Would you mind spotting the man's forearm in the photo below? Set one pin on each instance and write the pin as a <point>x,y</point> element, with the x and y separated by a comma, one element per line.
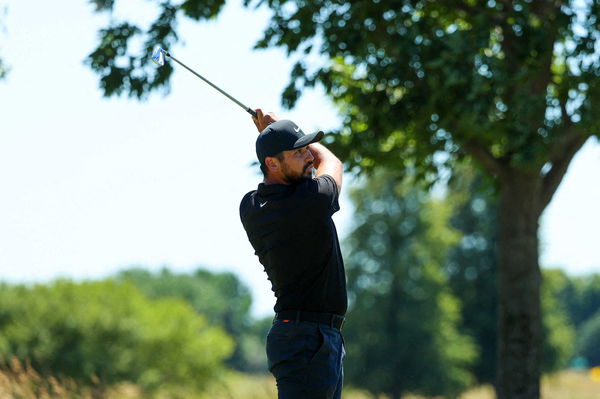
<point>326,163</point>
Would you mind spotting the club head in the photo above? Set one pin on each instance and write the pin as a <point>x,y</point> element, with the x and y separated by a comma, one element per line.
<point>158,57</point>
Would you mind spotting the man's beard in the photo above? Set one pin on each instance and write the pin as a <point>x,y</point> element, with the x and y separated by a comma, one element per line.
<point>294,178</point>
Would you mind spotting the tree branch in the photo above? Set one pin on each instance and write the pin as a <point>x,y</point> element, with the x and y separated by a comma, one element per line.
<point>565,116</point>
<point>544,75</point>
<point>492,164</point>
<point>561,155</point>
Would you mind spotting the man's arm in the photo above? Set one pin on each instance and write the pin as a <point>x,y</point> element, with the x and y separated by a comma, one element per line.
<point>326,163</point>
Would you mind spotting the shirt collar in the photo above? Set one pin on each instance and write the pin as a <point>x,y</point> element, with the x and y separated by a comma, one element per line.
<point>267,190</point>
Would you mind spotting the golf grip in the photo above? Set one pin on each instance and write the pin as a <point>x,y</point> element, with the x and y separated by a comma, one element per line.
<point>247,109</point>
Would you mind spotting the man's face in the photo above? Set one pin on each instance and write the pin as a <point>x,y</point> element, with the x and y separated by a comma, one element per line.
<point>297,165</point>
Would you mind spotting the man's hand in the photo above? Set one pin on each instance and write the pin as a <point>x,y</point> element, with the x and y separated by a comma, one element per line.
<point>263,120</point>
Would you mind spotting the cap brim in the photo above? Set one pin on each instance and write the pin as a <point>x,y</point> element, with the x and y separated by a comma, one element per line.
<point>308,139</point>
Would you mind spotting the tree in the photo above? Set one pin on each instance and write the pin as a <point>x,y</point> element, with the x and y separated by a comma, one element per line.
<point>402,332</point>
<point>557,331</point>
<point>471,267</point>
<point>587,341</point>
<point>220,297</point>
<point>581,296</point>
<point>512,84</point>
<point>112,333</point>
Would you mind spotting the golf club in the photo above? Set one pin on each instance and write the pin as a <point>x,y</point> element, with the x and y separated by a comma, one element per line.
<point>159,59</point>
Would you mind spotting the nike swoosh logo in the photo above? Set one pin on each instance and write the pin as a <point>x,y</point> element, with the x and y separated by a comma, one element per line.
<point>262,203</point>
<point>297,129</point>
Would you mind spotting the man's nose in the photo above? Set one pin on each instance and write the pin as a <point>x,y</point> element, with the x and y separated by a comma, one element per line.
<point>309,156</point>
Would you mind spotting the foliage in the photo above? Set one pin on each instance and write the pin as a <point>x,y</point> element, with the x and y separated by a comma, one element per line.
<point>109,332</point>
<point>472,263</point>
<point>471,268</point>
<point>124,68</point>
<point>525,74</point>
<point>588,338</point>
<point>581,296</point>
<point>254,343</point>
<point>221,297</point>
<point>402,331</point>
<point>558,333</point>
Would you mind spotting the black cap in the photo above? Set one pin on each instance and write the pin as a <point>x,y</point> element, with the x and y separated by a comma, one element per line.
<point>280,136</point>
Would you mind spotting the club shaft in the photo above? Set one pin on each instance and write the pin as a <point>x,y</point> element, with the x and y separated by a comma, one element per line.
<point>247,109</point>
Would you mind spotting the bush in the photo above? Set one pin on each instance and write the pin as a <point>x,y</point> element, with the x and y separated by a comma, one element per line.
<point>109,332</point>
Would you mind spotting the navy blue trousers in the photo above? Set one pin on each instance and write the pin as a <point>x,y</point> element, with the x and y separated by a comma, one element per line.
<point>306,360</point>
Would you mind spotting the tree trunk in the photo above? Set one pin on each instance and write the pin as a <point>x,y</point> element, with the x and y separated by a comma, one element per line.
<point>519,315</point>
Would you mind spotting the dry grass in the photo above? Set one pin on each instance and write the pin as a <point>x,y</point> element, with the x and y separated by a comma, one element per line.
<point>21,381</point>
<point>564,385</point>
<point>570,385</point>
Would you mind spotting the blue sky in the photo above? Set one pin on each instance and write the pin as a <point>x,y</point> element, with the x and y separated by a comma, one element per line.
<point>92,185</point>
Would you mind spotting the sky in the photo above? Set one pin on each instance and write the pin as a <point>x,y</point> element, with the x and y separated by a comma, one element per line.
<point>90,186</point>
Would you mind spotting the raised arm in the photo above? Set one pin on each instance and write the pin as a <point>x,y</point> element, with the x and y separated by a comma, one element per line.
<point>326,163</point>
<point>262,120</point>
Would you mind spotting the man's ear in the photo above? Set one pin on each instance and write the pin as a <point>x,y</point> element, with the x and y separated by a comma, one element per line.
<point>272,163</point>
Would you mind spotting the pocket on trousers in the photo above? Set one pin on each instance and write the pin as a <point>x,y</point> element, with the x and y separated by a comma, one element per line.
<point>321,367</point>
<point>292,347</point>
<point>318,347</point>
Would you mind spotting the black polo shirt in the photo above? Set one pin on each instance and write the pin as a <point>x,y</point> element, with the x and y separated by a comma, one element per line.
<point>295,239</point>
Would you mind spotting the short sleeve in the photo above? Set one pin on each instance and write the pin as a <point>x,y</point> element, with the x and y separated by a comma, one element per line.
<point>328,193</point>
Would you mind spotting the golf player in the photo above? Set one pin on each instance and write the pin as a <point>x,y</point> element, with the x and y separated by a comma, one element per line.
<point>288,222</point>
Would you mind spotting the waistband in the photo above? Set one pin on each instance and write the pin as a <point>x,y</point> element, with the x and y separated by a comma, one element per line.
<point>330,319</point>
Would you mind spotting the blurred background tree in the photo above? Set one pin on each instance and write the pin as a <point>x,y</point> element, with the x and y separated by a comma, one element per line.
<point>220,297</point>
<point>472,263</point>
<point>458,230</point>
<point>558,334</point>
<point>471,267</point>
<point>512,84</point>
<point>587,341</point>
<point>101,333</point>
<point>580,296</point>
<point>403,321</point>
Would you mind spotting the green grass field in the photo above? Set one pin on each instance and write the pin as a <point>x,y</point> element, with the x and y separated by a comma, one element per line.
<point>21,382</point>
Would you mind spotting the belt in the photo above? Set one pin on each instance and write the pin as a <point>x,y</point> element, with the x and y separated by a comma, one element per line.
<point>331,319</point>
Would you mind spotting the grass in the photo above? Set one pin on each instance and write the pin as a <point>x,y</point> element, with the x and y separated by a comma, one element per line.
<point>570,385</point>
<point>567,384</point>
<point>21,381</point>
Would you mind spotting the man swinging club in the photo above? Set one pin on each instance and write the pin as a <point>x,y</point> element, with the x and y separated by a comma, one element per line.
<point>288,222</point>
